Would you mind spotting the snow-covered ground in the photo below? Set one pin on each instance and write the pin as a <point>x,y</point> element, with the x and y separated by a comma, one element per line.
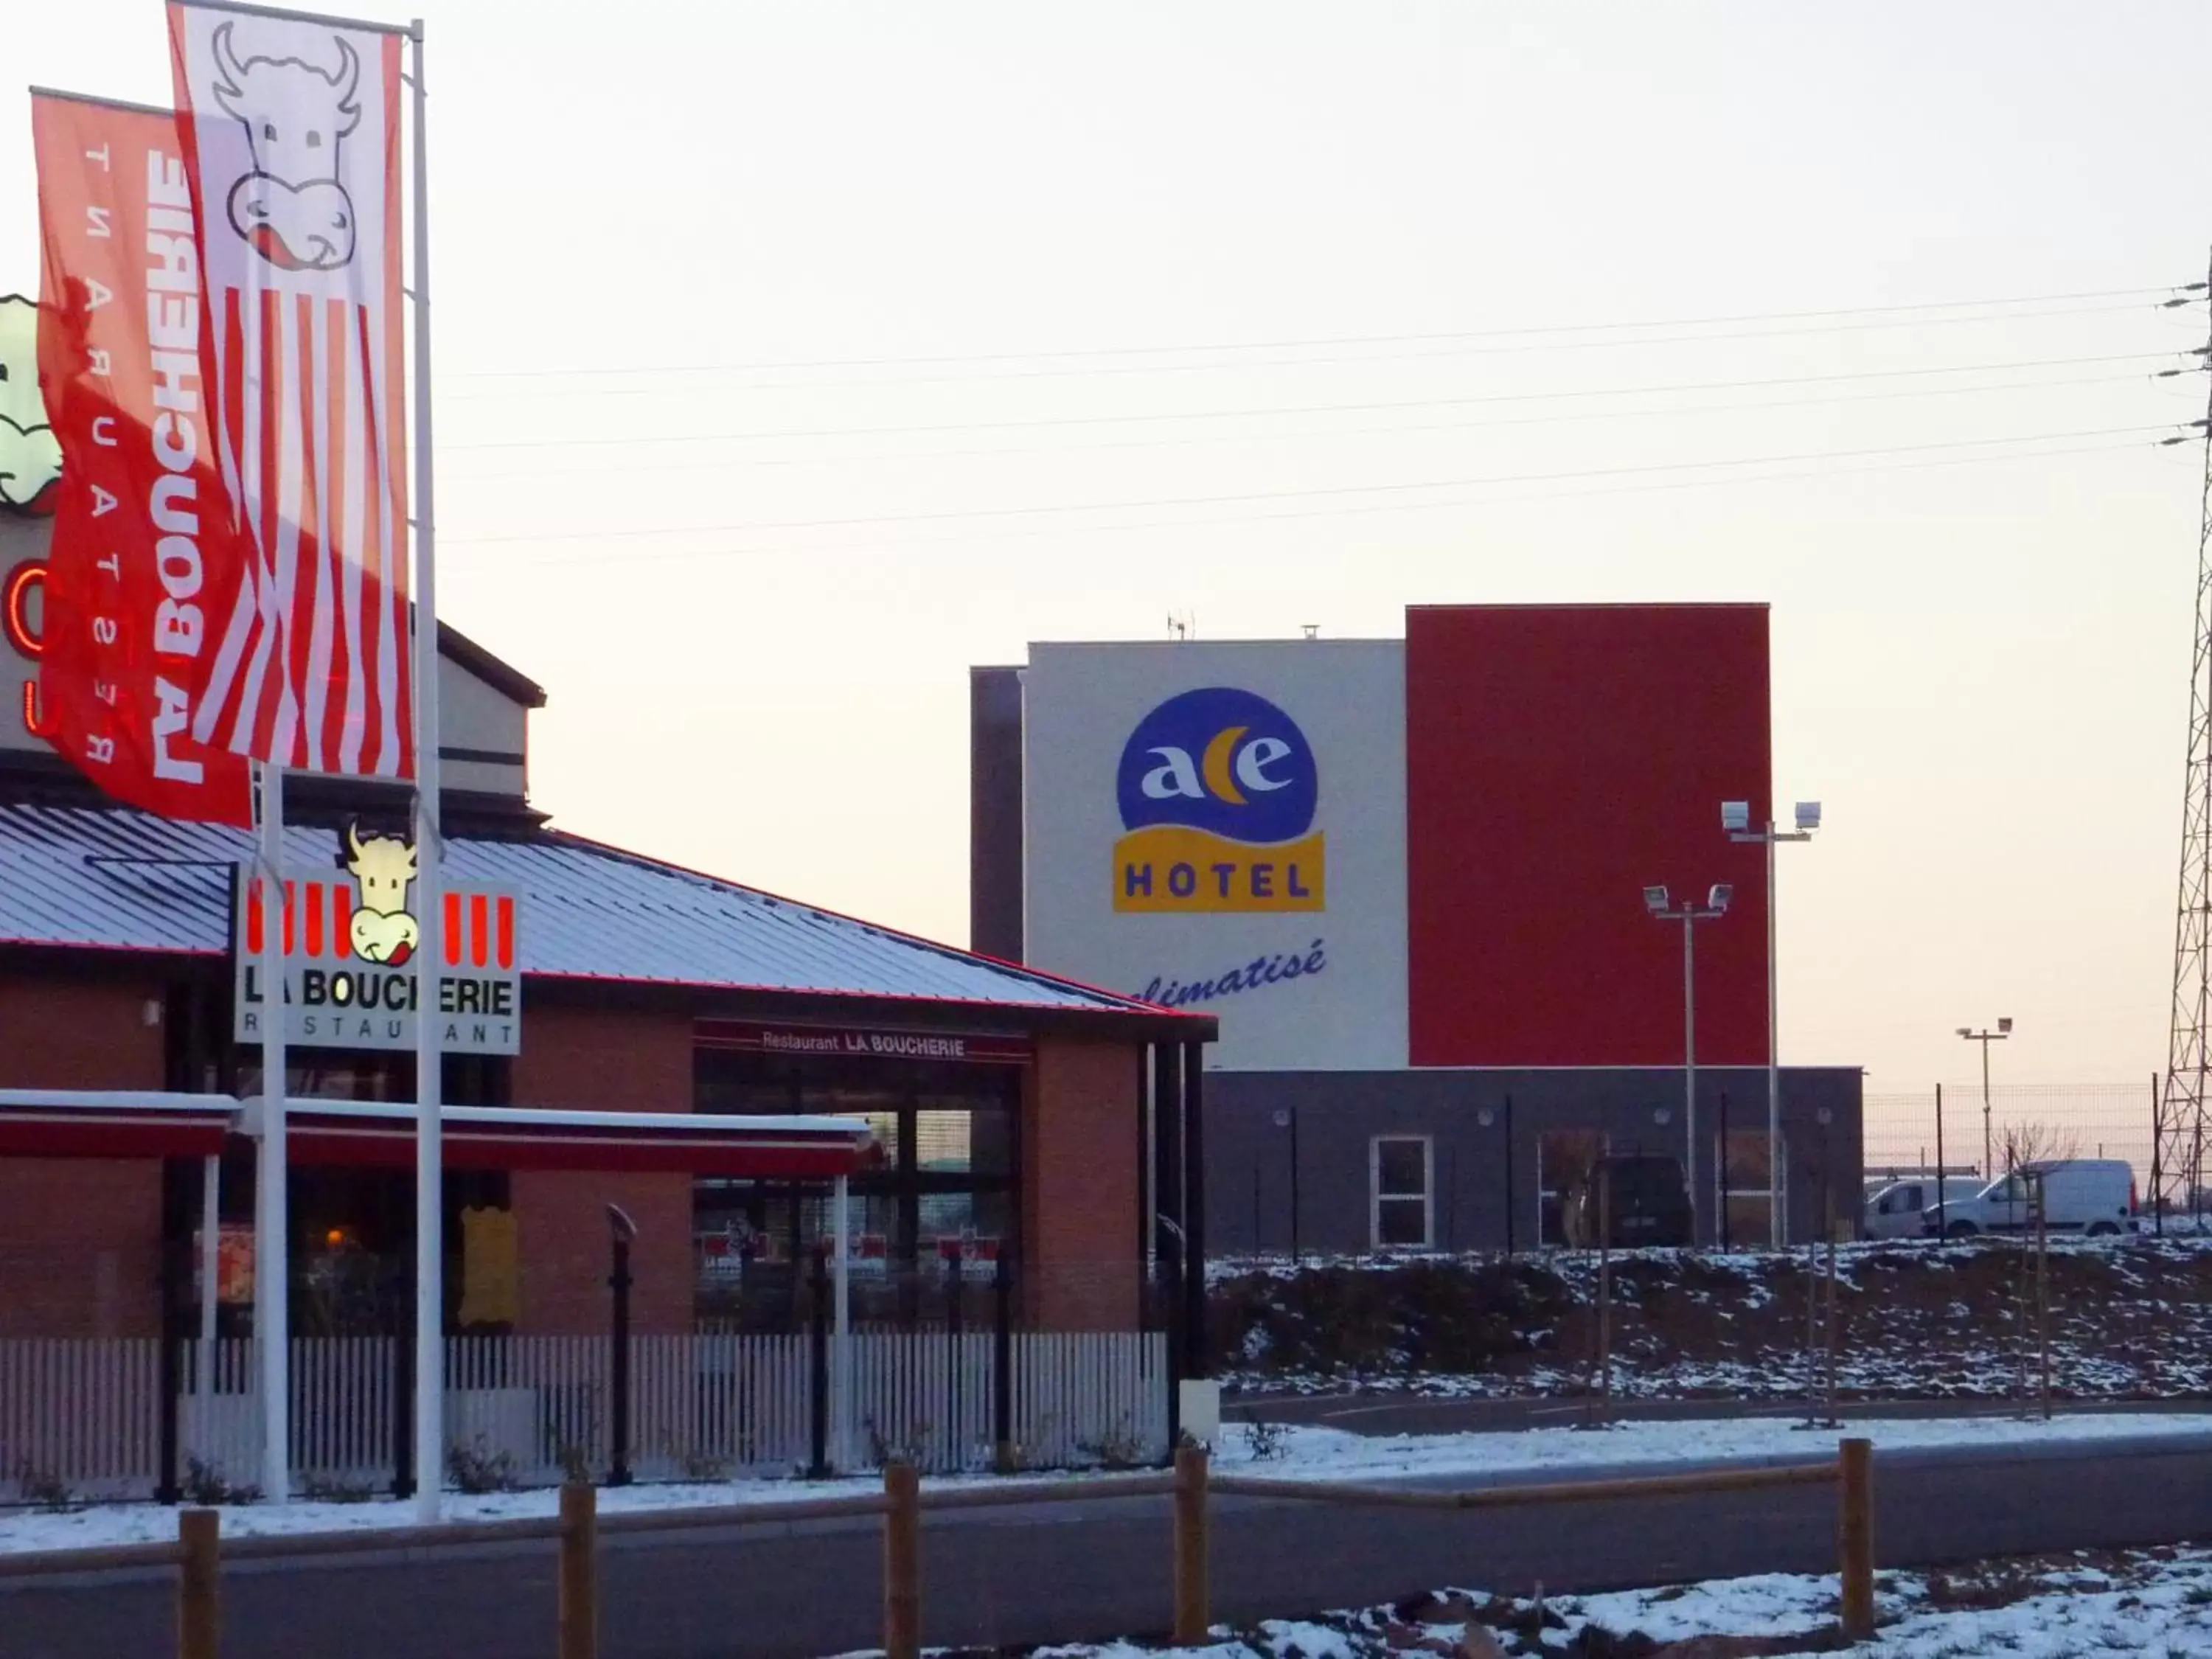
<point>1321,1454</point>
<point>2130,1318</point>
<point>1282,1453</point>
<point>2142,1604</point>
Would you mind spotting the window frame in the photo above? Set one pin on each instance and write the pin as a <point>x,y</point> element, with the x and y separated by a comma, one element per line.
<point>1426,1198</point>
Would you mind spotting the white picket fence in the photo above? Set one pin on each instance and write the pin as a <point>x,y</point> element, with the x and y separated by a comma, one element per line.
<point>82,1417</point>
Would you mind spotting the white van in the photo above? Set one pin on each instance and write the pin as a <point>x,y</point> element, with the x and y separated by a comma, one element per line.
<point>2091,1195</point>
<point>1895,1209</point>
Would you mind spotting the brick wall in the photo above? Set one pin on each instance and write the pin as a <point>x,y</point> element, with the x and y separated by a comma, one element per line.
<point>1079,1171</point>
<point>80,1238</point>
<point>594,1060</point>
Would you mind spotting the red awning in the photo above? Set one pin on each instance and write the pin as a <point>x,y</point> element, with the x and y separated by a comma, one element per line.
<point>382,1133</point>
<point>112,1123</point>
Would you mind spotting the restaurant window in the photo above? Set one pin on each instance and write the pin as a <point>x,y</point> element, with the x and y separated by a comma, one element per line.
<point>1401,1170</point>
<point>939,1187</point>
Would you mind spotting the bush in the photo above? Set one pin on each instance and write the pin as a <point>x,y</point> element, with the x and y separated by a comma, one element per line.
<point>204,1486</point>
<point>330,1489</point>
<point>43,1488</point>
<point>478,1467</point>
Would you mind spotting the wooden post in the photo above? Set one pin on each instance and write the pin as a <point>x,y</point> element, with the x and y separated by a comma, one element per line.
<point>1191,1571</point>
<point>1856,1530</point>
<point>1812,1335</point>
<point>579,1573</point>
<point>902,1562</point>
<point>2043,1289</point>
<point>1833,1334</point>
<point>199,1621</point>
<point>1602,1398</point>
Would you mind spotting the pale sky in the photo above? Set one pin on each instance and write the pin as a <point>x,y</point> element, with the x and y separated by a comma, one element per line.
<point>1119,237</point>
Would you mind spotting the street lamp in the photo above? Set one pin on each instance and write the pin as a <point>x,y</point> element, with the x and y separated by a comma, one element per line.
<point>1656,904</point>
<point>1986,1037</point>
<point>1735,820</point>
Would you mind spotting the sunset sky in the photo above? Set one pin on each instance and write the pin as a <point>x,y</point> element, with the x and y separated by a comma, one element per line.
<point>791,359</point>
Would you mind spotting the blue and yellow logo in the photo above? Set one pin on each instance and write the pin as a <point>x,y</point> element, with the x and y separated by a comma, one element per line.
<point>1218,789</point>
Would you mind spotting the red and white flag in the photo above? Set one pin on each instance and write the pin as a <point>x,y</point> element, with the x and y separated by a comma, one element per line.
<point>143,529</point>
<point>290,128</point>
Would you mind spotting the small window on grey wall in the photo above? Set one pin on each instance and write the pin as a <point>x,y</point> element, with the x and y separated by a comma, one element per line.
<point>1399,1182</point>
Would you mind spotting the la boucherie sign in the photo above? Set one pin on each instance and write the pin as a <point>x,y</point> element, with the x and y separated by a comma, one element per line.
<point>350,945</point>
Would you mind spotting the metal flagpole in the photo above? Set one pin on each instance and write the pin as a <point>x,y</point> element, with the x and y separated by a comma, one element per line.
<point>272,1273</point>
<point>429,1048</point>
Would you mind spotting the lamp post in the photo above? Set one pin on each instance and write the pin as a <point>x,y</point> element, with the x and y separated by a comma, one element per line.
<point>1735,820</point>
<point>1655,904</point>
<point>1985,1037</point>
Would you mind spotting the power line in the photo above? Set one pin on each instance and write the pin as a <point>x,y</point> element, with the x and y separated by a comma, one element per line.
<point>1186,440</point>
<point>1005,377</point>
<point>1357,509</point>
<point>1242,497</point>
<point>1264,412</point>
<point>1316,342</point>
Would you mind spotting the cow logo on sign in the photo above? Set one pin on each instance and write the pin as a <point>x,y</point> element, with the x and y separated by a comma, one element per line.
<point>290,208</point>
<point>30,454</point>
<point>383,930</point>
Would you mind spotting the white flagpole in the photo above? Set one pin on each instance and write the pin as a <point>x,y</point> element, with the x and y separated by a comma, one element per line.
<point>429,1048</point>
<point>272,1252</point>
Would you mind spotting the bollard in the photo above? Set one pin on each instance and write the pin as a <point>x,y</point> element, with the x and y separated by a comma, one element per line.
<point>1856,1527</point>
<point>1191,1567</point>
<point>579,1573</point>
<point>902,1562</point>
<point>200,1623</point>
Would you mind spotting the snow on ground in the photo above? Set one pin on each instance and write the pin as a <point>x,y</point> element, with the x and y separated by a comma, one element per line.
<point>1275,1452</point>
<point>2140,1604</point>
<point>1300,1452</point>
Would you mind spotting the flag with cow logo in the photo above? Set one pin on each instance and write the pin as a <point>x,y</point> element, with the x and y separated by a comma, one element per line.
<point>291,129</point>
<point>143,529</point>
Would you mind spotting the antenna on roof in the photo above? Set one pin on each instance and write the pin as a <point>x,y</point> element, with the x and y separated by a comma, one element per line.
<point>1181,627</point>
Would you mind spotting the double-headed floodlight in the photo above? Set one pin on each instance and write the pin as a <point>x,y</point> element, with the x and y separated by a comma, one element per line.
<point>1735,820</point>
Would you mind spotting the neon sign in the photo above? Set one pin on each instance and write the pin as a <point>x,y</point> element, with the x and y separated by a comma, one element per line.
<point>28,638</point>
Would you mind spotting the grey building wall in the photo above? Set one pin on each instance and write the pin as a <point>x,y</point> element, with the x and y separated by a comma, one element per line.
<point>1483,1172</point>
<point>994,812</point>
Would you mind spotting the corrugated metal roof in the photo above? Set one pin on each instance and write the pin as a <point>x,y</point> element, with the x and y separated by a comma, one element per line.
<point>117,879</point>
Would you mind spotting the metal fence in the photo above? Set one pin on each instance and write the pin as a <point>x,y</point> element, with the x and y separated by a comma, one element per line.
<point>83,1419</point>
<point>2023,1123</point>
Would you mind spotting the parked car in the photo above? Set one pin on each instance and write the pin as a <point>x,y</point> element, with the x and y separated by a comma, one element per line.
<point>1650,1202</point>
<point>2091,1195</point>
<point>1895,1209</point>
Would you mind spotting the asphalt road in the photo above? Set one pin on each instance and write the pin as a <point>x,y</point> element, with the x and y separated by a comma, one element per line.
<point>1063,1572</point>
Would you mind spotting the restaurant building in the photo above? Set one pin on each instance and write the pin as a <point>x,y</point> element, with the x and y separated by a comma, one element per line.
<point>1008,1107</point>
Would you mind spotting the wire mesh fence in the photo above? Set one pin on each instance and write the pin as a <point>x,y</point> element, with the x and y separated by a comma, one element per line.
<point>1971,1134</point>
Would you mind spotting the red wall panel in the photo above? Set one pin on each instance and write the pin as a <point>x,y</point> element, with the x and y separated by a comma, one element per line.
<point>1557,760</point>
